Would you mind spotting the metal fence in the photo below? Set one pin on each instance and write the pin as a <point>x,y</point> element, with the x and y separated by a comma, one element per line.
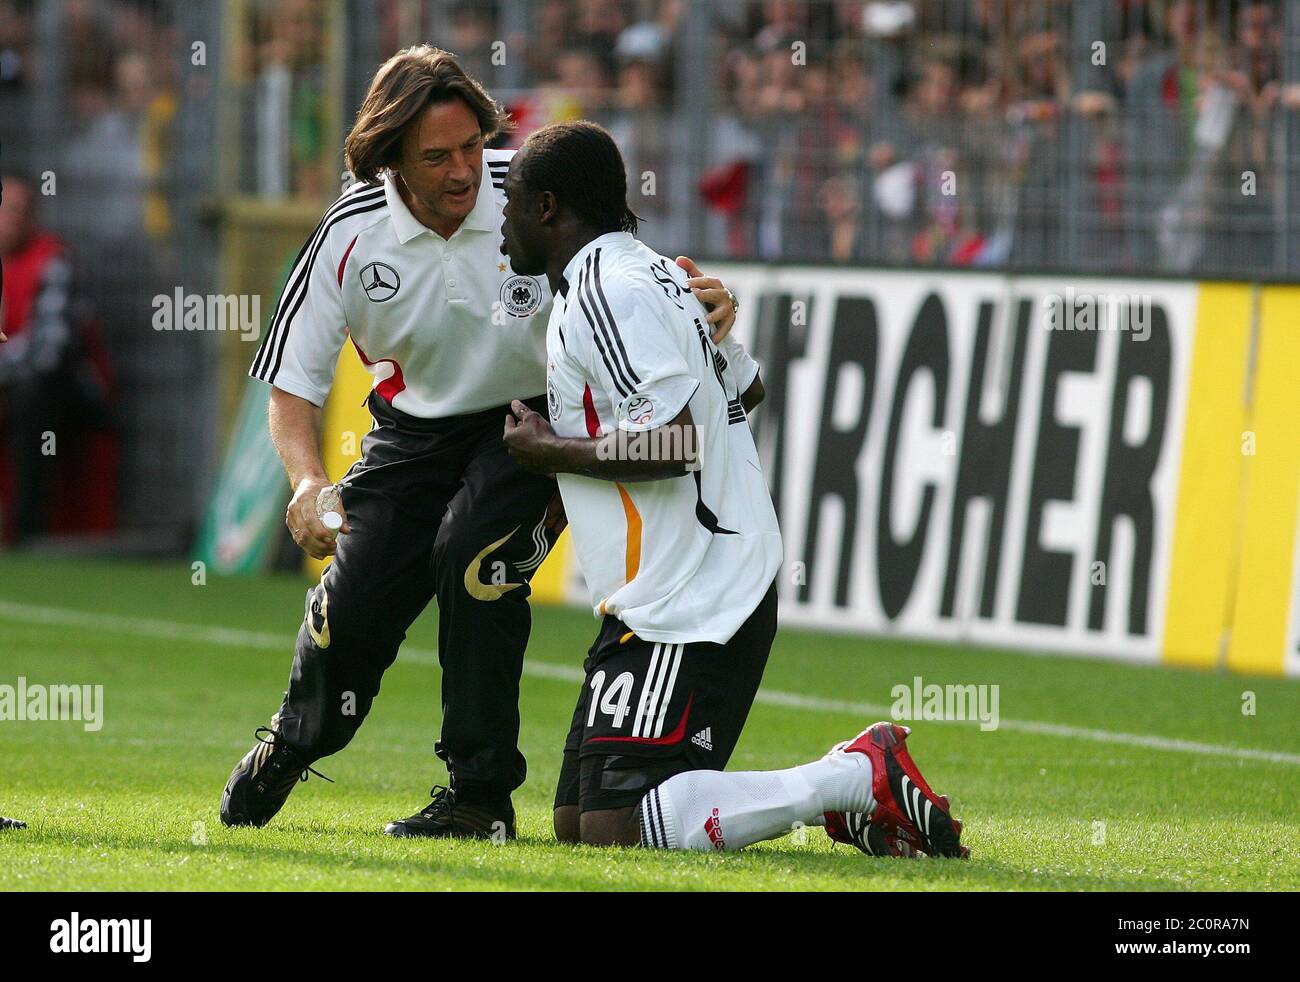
<point>1101,136</point>
<point>105,110</point>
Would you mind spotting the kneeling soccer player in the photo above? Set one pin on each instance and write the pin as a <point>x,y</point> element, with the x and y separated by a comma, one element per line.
<point>678,541</point>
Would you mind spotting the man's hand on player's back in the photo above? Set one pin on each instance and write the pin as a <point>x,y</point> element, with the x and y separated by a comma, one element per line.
<point>709,290</point>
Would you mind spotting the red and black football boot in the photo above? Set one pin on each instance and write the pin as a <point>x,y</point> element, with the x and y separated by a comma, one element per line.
<point>906,808</point>
<point>855,829</point>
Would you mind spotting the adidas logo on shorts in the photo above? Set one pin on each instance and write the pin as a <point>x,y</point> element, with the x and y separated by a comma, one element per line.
<point>704,738</point>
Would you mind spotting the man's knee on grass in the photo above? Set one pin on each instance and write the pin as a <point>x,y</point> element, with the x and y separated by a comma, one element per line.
<point>568,829</point>
<point>611,827</point>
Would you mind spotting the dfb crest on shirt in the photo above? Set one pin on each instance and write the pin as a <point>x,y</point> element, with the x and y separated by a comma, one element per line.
<point>380,281</point>
<point>553,403</point>
<point>521,295</point>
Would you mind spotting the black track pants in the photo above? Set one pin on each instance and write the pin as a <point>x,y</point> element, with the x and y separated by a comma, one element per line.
<point>437,509</point>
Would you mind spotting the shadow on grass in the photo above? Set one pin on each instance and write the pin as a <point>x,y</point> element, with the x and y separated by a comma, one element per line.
<point>535,863</point>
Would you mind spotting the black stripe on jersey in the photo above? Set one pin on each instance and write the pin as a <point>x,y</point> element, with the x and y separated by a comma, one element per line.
<point>711,355</point>
<point>667,283</point>
<point>735,411</point>
<point>296,292</point>
<point>298,273</point>
<point>352,197</point>
<point>588,303</point>
<point>704,514</point>
<point>302,294</point>
<point>613,325</point>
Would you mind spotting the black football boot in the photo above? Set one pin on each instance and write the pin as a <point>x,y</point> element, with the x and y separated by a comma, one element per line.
<point>448,817</point>
<point>260,783</point>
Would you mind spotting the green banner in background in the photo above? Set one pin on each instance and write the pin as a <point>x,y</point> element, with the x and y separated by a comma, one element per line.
<point>247,506</point>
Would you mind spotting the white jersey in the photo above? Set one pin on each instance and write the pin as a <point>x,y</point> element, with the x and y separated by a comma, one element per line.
<point>677,560</point>
<point>444,326</point>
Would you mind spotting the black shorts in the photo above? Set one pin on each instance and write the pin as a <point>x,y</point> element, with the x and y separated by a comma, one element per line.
<point>649,710</point>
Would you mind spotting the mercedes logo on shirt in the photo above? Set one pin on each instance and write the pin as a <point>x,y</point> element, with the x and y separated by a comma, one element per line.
<point>380,281</point>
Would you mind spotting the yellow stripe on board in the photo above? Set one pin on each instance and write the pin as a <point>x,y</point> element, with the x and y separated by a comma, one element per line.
<point>1268,543</point>
<point>1206,521</point>
<point>344,422</point>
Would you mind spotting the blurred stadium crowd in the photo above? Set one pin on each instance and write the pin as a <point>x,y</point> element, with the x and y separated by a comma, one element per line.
<point>1110,136</point>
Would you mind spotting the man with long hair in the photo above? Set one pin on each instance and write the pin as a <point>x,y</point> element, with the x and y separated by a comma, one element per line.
<point>408,264</point>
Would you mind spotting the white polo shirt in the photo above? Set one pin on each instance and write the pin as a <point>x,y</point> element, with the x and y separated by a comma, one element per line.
<point>444,326</point>
<point>677,560</point>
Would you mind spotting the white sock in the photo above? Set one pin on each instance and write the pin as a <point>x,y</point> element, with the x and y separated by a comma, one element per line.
<point>707,810</point>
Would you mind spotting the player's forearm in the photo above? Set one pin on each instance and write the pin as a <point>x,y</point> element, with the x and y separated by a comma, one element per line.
<point>753,395</point>
<point>296,432</point>
<point>623,456</point>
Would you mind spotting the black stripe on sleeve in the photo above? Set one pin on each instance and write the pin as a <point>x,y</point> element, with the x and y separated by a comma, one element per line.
<point>298,275</point>
<point>588,303</point>
<point>613,325</point>
<point>352,197</point>
<point>293,298</point>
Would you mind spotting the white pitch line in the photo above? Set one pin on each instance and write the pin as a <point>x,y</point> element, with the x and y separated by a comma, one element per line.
<point>240,638</point>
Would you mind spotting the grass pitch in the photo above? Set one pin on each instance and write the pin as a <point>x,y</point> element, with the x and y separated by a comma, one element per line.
<point>1088,783</point>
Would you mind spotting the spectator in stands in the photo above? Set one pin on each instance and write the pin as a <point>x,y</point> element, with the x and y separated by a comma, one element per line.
<point>1040,91</point>
<point>919,172</point>
<point>1249,174</point>
<point>473,29</point>
<point>58,446</point>
<point>841,224</point>
<point>597,25</point>
<point>550,34</point>
<point>1160,111</point>
<point>649,136</point>
<point>581,88</point>
<point>36,328</point>
<point>15,74</point>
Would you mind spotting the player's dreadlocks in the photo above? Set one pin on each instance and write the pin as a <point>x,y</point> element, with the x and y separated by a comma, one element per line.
<point>580,164</point>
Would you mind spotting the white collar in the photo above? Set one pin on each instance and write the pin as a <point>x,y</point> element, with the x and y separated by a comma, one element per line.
<point>580,257</point>
<point>480,219</point>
